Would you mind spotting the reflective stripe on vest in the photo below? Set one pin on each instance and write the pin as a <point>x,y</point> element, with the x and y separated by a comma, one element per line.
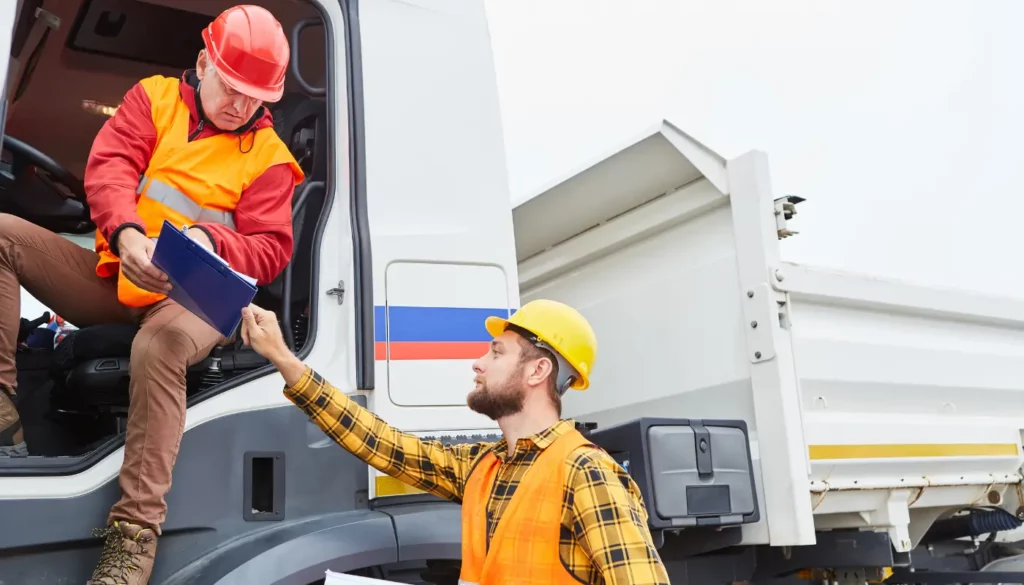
<point>167,195</point>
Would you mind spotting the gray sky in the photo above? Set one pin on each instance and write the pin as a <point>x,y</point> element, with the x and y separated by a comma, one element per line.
<point>899,121</point>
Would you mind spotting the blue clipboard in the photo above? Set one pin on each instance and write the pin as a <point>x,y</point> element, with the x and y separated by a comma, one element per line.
<point>201,281</point>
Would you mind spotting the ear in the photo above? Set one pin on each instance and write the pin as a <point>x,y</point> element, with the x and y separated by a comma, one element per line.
<point>538,373</point>
<point>201,62</point>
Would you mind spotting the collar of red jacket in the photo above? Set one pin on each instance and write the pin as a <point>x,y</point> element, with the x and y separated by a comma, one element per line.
<point>187,89</point>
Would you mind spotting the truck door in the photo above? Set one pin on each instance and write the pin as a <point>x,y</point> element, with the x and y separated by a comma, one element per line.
<point>440,219</point>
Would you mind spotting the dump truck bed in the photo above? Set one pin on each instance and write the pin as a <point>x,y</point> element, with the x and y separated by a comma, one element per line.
<point>868,403</point>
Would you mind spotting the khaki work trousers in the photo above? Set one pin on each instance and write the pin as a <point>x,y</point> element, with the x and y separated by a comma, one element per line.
<point>62,275</point>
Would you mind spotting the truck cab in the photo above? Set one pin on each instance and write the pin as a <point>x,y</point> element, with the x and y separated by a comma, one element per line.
<point>403,243</point>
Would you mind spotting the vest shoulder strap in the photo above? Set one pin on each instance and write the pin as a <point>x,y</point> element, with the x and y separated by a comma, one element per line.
<point>163,93</point>
<point>573,440</point>
<point>271,150</point>
<point>484,455</point>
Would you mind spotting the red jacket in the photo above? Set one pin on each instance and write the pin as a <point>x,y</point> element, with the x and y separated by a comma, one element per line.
<point>262,244</point>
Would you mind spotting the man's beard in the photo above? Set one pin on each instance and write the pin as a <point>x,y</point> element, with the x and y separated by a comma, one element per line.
<point>498,403</point>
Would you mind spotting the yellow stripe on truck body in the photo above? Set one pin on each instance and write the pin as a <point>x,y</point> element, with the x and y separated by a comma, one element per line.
<point>908,450</point>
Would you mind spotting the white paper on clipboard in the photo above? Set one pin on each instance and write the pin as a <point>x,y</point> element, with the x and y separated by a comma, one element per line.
<point>341,579</point>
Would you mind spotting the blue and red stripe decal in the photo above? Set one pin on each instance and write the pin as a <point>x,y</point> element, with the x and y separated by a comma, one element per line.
<point>431,333</point>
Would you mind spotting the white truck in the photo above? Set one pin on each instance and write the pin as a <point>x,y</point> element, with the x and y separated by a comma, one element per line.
<point>845,417</point>
<point>785,422</point>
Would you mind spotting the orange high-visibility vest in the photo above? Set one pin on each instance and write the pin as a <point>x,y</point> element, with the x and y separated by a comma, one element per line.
<point>190,182</point>
<point>524,548</point>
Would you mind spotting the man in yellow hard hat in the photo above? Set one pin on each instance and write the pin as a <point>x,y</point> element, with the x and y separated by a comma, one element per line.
<point>542,505</point>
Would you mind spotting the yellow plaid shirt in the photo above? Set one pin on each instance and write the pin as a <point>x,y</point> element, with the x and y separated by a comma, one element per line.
<point>604,537</point>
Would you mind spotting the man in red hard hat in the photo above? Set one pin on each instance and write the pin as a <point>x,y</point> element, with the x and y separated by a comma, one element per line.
<point>199,151</point>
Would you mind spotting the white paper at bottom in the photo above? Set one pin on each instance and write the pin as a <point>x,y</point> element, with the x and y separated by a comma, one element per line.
<point>340,579</point>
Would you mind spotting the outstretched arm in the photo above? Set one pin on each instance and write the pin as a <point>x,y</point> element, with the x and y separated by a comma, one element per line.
<point>427,465</point>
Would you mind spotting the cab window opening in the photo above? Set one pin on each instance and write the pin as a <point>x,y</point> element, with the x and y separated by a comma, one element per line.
<point>73,381</point>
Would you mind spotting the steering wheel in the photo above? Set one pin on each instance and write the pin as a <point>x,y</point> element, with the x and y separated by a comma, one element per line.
<point>49,171</point>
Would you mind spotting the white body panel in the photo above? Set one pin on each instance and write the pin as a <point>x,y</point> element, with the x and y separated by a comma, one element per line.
<point>438,201</point>
<point>440,223</point>
<point>870,403</point>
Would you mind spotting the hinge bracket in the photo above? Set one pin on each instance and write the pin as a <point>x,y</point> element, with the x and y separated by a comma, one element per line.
<point>785,209</point>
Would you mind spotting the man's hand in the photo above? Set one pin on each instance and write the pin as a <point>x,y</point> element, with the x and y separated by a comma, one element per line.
<point>136,252</point>
<point>261,332</point>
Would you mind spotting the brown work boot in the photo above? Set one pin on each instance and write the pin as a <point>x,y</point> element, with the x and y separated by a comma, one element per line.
<point>12,437</point>
<point>127,557</point>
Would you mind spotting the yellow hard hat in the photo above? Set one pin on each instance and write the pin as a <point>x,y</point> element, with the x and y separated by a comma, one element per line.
<point>560,328</point>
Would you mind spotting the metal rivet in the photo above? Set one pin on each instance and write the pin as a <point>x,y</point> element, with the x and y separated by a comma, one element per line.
<point>757,354</point>
<point>750,294</point>
<point>753,324</point>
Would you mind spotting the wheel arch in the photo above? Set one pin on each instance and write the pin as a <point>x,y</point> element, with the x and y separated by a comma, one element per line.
<point>426,529</point>
<point>298,554</point>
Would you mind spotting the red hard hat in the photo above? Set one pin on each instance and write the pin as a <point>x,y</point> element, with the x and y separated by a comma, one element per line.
<point>247,47</point>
